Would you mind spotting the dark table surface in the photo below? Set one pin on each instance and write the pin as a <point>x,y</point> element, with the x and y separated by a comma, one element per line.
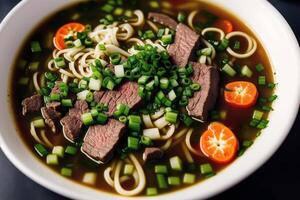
<point>279,178</point>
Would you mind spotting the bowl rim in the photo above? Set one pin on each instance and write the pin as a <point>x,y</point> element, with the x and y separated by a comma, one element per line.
<point>42,181</point>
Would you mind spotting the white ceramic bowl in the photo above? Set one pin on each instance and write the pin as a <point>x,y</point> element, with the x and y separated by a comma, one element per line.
<point>265,21</point>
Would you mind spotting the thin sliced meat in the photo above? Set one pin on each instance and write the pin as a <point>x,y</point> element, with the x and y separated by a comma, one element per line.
<point>72,122</point>
<point>127,94</point>
<point>163,19</point>
<point>205,99</point>
<point>186,41</point>
<point>51,117</point>
<point>32,104</point>
<point>100,141</point>
<point>152,153</point>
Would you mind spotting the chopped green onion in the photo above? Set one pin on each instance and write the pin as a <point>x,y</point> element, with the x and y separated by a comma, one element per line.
<point>33,66</point>
<point>164,83</point>
<point>118,11</point>
<point>267,108</point>
<point>187,120</point>
<point>247,143</point>
<point>77,43</point>
<point>257,115</point>
<point>261,80</point>
<point>246,71</point>
<point>35,47</point>
<point>181,17</point>
<point>271,85</point>
<point>149,34</point>
<point>94,84</point>
<point>173,180</point>
<point>119,71</point>
<point>262,124</point>
<point>24,81</point>
<point>39,123</point>
<point>115,58</point>
<point>59,62</point>
<point>89,178</point>
<point>167,39</point>
<point>206,169</point>
<point>223,45</point>
<point>94,112</point>
<point>123,119</point>
<point>133,143</point>
<point>189,178</point>
<point>146,141</point>
<point>87,119</point>
<point>152,133</point>
<point>206,51</point>
<point>161,181</point>
<point>171,117</point>
<point>102,47</point>
<point>71,150</point>
<point>154,4</point>
<point>67,103</point>
<point>237,45</point>
<point>259,68</point>
<point>174,83</point>
<point>151,191</point>
<point>272,98</point>
<point>110,85</point>
<point>66,171</point>
<point>161,169</point>
<point>41,150</point>
<point>195,87</point>
<point>172,95</point>
<point>102,118</point>
<point>176,163</point>
<point>229,70</point>
<point>128,169</point>
<point>128,13</point>
<point>107,8</point>
<point>143,80</point>
<point>52,159</point>
<point>59,151</point>
<point>160,32</point>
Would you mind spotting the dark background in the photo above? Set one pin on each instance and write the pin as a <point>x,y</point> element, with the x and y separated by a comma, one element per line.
<point>279,178</point>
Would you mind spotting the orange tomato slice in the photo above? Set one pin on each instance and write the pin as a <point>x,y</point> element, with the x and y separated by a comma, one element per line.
<point>224,24</point>
<point>219,143</point>
<point>59,40</point>
<point>241,94</point>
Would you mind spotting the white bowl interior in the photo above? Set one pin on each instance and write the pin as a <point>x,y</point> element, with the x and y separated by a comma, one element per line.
<point>264,20</point>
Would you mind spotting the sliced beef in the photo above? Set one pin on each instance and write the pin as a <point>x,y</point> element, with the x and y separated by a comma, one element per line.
<point>163,19</point>
<point>51,117</point>
<point>72,122</point>
<point>127,94</point>
<point>32,104</point>
<point>152,153</point>
<point>98,95</point>
<point>100,141</point>
<point>186,41</point>
<point>205,99</point>
<point>54,105</point>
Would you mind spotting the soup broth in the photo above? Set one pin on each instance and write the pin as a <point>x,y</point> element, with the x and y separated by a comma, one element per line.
<point>238,119</point>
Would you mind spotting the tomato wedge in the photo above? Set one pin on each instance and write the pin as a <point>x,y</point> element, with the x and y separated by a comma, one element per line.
<point>59,40</point>
<point>241,94</point>
<point>224,24</point>
<point>219,143</point>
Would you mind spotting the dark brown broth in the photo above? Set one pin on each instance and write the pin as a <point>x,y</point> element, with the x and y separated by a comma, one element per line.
<point>236,119</point>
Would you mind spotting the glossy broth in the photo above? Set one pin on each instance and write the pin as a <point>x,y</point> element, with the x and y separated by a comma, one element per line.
<point>88,13</point>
